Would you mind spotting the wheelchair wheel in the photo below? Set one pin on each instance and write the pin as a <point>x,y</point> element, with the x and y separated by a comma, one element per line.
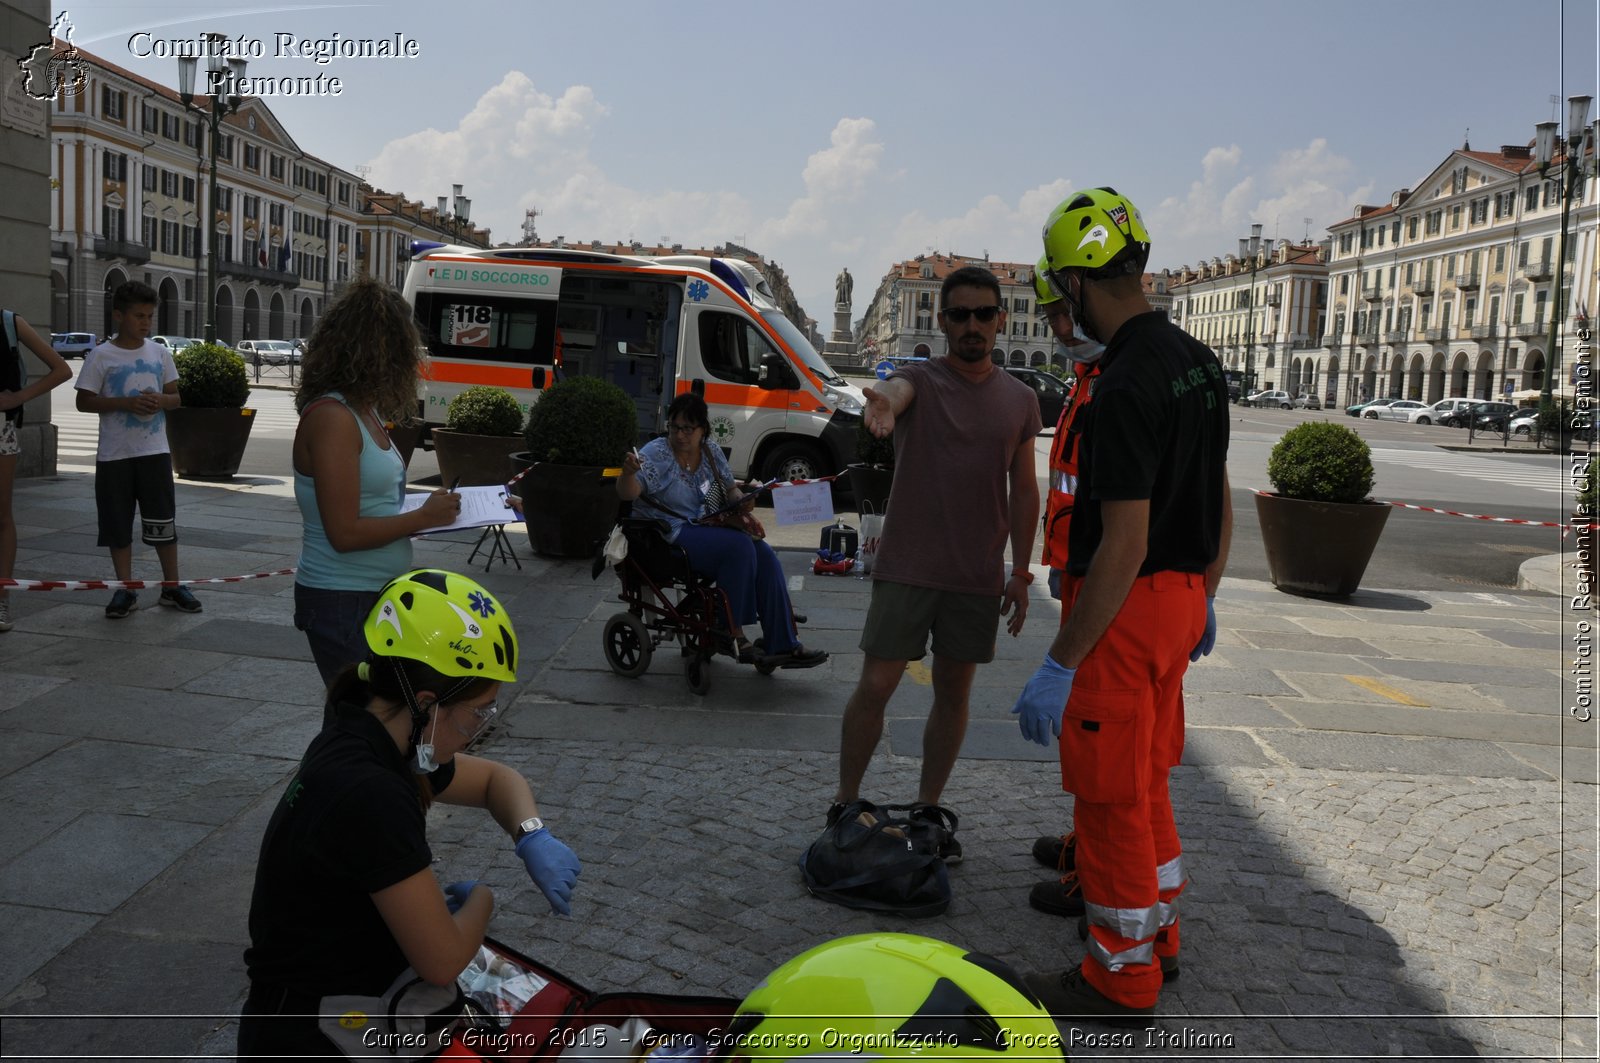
<point>627,645</point>
<point>764,668</point>
<point>697,672</point>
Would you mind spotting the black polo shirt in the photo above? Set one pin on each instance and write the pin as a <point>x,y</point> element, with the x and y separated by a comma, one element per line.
<point>349,824</point>
<point>1157,429</point>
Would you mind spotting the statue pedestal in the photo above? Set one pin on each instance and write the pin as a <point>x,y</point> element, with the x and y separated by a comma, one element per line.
<point>841,342</point>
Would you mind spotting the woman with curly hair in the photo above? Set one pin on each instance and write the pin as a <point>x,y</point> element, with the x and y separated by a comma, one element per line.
<point>360,370</point>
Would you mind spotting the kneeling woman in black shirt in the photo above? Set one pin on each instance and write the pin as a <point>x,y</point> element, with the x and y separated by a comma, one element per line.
<point>345,895</point>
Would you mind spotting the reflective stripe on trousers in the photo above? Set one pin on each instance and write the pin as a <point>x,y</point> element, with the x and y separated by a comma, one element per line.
<point>1126,719</point>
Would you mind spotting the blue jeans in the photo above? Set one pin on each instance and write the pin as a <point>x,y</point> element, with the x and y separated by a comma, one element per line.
<point>332,621</point>
<point>750,575</point>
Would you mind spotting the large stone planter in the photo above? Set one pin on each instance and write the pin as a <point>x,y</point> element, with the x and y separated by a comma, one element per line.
<point>1319,548</point>
<point>569,509</point>
<point>870,485</point>
<point>208,444</point>
<point>477,461</point>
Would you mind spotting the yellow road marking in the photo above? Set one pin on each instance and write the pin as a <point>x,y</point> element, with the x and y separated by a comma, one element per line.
<point>1386,691</point>
<point>919,673</point>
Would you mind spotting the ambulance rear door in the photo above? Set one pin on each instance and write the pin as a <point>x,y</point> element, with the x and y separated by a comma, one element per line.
<point>483,322</point>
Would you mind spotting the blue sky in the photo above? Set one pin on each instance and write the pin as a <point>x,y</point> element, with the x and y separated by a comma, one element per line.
<point>826,134</point>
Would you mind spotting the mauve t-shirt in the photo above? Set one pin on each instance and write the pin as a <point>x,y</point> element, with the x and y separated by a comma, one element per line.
<point>949,518</point>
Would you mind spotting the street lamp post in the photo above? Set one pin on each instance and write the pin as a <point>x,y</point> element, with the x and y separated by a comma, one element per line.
<point>455,211</point>
<point>217,70</point>
<point>1251,247</point>
<point>1574,147</point>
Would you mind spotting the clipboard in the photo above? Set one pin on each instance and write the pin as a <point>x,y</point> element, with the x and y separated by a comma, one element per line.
<point>750,495</point>
<point>481,507</point>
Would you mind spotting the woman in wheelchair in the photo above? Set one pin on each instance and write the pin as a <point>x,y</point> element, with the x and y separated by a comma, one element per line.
<point>678,478</point>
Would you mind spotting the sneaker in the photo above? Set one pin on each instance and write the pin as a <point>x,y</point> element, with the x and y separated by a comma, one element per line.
<point>1069,995</point>
<point>180,598</point>
<point>1169,964</point>
<point>1064,896</point>
<point>934,827</point>
<point>5,614</point>
<point>122,603</point>
<point>1059,852</point>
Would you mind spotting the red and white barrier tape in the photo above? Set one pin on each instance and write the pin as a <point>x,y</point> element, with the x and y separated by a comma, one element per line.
<point>128,584</point>
<point>1479,516</point>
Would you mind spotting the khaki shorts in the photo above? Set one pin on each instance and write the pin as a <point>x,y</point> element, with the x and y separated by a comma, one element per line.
<point>901,616</point>
<point>9,444</point>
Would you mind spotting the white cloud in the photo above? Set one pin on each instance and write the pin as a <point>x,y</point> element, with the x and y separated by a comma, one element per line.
<point>1229,196</point>
<point>1009,232</point>
<point>833,177</point>
<point>545,162</point>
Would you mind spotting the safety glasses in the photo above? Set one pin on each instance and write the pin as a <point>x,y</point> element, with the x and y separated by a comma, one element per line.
<point>482,716</point>
<point>957,315</point>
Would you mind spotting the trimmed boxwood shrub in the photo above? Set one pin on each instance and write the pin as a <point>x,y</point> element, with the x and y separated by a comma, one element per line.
<point>1321,462</point>
<point>210,376</point>
<point>582,420</point>
<point>482,410</point>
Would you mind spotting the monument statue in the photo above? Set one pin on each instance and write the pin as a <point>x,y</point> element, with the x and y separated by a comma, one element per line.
<point>843,285</point>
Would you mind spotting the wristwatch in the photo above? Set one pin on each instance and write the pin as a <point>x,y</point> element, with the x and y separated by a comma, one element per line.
<point>526,827</point>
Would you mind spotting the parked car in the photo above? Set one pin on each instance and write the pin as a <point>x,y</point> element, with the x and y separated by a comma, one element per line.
<point>1463,417</point>
<point>175,343</point>
<point>1523,422</point>
<point>267,352</point>
<point>1279,399</point>
<point>73,344</point>
<point>1492,416</point>
<point>1400,410</point>
<point>1050,390</point>
<point>1445,407</point>
<point>1362,407</point>
<point>1307,402</point>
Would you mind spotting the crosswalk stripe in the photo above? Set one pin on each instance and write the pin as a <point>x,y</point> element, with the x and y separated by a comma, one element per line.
<point>1478,468</point>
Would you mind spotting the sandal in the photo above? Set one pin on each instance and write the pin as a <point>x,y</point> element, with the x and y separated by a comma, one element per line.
<point>799,657</point>
<point>746,652</point>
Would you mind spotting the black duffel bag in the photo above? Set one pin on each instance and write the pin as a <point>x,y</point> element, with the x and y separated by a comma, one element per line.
<point>870,858</point>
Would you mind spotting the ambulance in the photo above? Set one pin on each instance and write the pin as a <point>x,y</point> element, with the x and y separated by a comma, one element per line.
<point>521,318</point>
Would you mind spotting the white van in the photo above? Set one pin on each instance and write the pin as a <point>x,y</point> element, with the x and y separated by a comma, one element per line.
<point>519,317</point>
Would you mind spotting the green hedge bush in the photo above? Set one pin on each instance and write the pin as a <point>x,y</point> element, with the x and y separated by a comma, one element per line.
<point>582,420</point>
<point>1321,462</point>
<point>210,376</point>
<point>482,410</point>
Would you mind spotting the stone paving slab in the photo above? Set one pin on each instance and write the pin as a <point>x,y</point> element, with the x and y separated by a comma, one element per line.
<point>1367,879</point>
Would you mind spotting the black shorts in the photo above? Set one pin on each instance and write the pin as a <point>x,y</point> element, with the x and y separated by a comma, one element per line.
<point>145,481</point>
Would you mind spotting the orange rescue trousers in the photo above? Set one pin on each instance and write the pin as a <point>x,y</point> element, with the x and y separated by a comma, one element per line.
<point>1121,734</point>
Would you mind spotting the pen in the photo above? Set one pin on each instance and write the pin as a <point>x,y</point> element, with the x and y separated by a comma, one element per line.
<point>456,484</point>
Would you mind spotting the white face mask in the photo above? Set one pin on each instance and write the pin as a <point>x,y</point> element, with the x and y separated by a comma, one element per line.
<point>426,765</point>
<point>1084,351</point>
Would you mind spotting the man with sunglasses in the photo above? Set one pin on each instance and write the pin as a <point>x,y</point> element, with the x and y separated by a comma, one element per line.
<point>1146,549</point>
<point>964,487</point>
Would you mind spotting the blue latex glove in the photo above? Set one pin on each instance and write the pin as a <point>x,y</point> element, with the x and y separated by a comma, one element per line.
<point>552,866</point>
<point>456,894</point>
<point>1043,700</point>
<point>1209,639</point>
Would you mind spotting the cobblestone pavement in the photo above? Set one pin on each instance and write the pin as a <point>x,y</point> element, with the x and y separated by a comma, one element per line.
<point>1389,814</point>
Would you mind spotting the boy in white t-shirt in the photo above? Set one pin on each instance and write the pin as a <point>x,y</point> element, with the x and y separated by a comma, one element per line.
<point>130,382</point>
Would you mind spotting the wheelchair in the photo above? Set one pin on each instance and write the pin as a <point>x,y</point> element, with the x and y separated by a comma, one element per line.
<point>667,601</point>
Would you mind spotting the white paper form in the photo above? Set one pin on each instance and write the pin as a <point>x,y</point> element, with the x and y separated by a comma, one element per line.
<point>480,508</point>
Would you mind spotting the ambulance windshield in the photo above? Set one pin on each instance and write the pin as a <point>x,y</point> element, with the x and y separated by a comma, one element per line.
<point>797,342</point>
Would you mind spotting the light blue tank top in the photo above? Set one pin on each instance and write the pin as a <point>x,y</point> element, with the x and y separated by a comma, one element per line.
<point>383,484</point>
